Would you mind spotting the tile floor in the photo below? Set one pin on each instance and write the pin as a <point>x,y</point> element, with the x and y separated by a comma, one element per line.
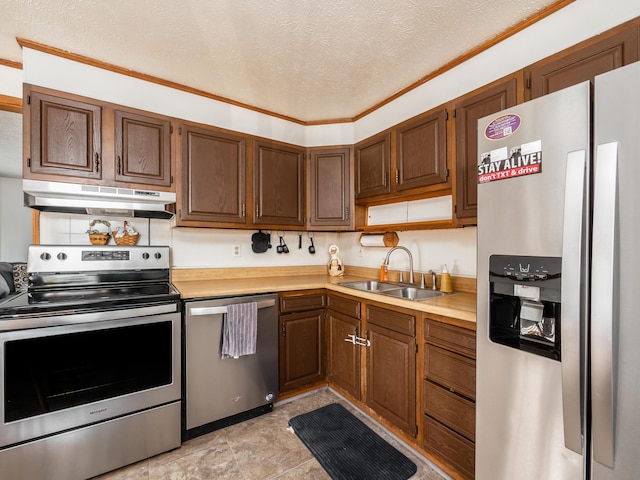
<point>257,449</point>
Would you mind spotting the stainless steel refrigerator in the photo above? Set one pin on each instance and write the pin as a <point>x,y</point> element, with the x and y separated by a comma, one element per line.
<point>558,313</point>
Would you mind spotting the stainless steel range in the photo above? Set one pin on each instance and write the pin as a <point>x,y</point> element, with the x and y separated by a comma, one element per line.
<point>90,373</point>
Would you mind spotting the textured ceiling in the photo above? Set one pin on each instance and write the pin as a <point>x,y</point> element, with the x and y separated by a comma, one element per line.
<point>312,60</point>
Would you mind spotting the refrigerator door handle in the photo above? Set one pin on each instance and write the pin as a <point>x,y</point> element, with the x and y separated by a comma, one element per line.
<point>573,273</point>
<point>602,301</point>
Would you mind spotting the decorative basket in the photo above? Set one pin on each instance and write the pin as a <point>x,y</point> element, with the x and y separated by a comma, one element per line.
<point>96,237</point>
<point>127,238</point>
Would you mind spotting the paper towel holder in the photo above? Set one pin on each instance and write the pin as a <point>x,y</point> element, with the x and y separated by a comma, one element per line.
<point>386,239</point>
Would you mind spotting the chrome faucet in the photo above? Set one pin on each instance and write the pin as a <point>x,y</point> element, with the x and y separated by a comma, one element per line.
<point>386,260</point>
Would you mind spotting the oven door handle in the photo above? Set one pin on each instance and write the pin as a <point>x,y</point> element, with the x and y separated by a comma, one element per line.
<point>196,311</point>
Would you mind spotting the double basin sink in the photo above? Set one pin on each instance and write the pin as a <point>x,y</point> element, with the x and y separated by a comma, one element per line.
<point>398,290</point>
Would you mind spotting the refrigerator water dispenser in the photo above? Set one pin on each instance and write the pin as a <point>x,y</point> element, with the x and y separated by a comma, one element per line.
<point>524,307</point>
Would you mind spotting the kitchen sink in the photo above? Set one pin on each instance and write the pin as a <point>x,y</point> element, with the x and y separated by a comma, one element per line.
<point>369,285</point>
<point>397,290</point>
<point>413,293</point>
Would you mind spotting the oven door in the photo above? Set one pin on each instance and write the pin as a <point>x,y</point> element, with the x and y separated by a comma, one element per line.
<point>61,377</point>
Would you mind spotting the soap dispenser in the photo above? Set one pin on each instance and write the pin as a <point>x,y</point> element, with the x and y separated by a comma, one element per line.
<point>445,281</point>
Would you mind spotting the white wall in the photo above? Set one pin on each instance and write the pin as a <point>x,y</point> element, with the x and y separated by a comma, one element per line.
<point>15,221</point>
<point>196,247</point>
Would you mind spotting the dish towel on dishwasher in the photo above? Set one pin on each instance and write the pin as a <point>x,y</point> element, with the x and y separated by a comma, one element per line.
<point>240,330</point>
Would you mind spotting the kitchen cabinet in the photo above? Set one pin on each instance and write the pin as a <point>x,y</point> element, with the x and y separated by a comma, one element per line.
<point>209,155</point>
<point>278,184</point>
<point>372,166</point>
<point>408,159</point>
<point>421,152</point>
<point>344,365</point>
<point>583,62</point>
<point>301,346</point>
<point>468,110</point>
<point>65,136</point>
<point>79,140</point>
<point>391,366</point>
<point>449,394</point>
<point>143,148</point>
<point>330,189</point>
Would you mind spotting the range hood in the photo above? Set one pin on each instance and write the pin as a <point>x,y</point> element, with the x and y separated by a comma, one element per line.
<point>97,200</point>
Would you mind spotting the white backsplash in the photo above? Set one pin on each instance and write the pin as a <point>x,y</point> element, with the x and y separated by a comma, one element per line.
<point>214,248</point>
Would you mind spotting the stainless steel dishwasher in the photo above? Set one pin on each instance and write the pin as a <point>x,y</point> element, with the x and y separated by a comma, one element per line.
<point>219,392</point>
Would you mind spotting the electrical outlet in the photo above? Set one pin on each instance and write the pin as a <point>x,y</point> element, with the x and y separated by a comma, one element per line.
<point>360,253</point>
<point>236,251</point>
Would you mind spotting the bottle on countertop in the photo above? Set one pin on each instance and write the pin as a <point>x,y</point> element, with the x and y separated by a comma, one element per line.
<point>384,272</point>
<point>445,281</point>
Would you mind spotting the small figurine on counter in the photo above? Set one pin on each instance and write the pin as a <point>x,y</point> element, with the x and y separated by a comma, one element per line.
<point>335,264</point>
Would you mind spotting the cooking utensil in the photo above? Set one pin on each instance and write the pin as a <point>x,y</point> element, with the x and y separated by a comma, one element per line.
<point>259,242</point>
<point>312,248</point>
<point>282,248</point>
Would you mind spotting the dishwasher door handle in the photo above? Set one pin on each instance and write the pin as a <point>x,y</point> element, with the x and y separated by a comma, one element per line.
<point>196,311</point>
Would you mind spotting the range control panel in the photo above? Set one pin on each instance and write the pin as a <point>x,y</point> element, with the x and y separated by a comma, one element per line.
<point>87,258</point>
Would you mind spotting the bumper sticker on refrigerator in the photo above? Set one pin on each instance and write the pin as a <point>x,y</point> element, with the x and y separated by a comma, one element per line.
<point>525,159</point>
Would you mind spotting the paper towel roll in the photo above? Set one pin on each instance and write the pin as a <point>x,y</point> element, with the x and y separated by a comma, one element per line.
<point>372,240</point>
<point>388,239</point>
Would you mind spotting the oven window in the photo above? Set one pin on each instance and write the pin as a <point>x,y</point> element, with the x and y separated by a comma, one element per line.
<point>45,374</point>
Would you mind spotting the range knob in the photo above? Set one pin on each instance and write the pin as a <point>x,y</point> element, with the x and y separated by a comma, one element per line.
<point>45,256</point>
<point>62,256</point>
<point>157,255</point>
<point>145,255</point>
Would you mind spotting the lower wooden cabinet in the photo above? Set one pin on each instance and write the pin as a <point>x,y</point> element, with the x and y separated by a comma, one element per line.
<point>301,344</point>
<point>449,394</point>
<point>449,445</point>
<point>344,357</point>
<point>391,366</point>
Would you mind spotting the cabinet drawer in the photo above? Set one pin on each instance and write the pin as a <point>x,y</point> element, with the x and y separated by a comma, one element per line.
<point>450,446</point>
<point>343,305</point>
<point>452,371</point>
<point>454,411</point>
<point>449,336</point>
<point>301,303</point>
<point>396,321</point>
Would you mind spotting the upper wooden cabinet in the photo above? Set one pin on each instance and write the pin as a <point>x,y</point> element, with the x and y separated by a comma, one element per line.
<point>65,137</point>
<point>468,110</point>
<point>583,62</point>
<point>330,189</point>
<point>372,166</point>
<point>409,159</point>
<point>421,152</point>
<point>79,140</point>
<point>212,176</point>
<point>278,175</point>
<point>143,148</point>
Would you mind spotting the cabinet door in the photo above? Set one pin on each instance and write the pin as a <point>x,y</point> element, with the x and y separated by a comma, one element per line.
<point>468,111</point>
<point>213,176</point>
<point>391,377</point>
<point>301,346</point>
<point>330,191</point>
<point>421,158</point>
<point>582,62</point>
<point>143,149</point>
<point>344,357</point>
<point>65,137</point>
<point>372,165</point>
<point>278,184</point>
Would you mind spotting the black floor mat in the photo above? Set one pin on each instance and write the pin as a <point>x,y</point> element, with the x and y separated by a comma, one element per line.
<point>347,449</point>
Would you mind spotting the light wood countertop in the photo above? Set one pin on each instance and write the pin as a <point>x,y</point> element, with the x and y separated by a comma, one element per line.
<point>460,306</point>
